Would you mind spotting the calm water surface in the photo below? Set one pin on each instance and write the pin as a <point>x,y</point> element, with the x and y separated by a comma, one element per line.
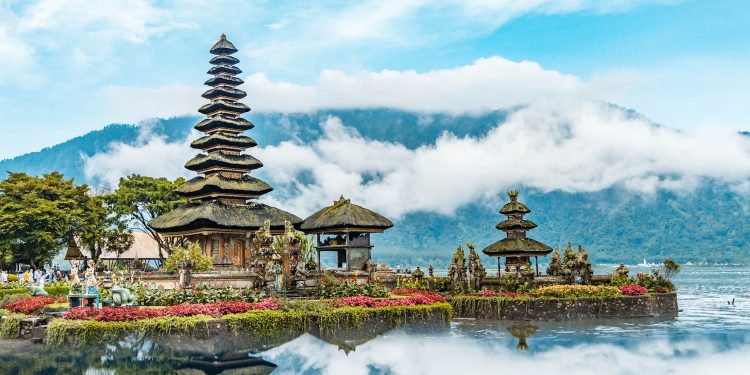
<point>710,336</point>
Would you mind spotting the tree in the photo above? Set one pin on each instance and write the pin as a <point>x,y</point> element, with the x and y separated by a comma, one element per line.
<point>103,230</point>
<point>139,199</point>
<point>193,253</point>
<point>669,268</point>
<point>38,216</point>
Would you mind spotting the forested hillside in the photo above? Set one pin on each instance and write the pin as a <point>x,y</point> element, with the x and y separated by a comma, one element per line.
<point>707,225</point>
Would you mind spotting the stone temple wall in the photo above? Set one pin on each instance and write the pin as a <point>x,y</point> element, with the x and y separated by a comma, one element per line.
<point>565,309</point>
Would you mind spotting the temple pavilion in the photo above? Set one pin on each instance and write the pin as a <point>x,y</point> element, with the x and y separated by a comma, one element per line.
<point>222,214</point>
<point>344,228</point>
<point>516,248</point>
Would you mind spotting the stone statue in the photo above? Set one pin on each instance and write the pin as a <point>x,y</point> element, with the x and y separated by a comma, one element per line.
<point>622,271</point>
<point>431,271</point>
<point>555,267</point>
<point>370,267</point>
<point>477,272</point>
<point>457,269</point>
<point>584,265</point>
<point>418,273</point>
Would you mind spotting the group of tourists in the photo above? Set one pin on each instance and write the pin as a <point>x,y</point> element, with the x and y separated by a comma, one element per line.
<point>32,276</point>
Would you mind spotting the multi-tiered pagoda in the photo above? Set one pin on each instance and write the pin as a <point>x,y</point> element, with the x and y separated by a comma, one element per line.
<point>221,215</point>
<point>516,248</point>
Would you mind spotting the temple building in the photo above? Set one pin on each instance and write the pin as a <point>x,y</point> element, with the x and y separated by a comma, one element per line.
<point>221,215</point>
<point>516,248</point>
<point>344,228</point>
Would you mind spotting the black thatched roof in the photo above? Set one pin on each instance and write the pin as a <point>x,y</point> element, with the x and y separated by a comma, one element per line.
<point>225,69</point>
<point>514,206</point>
<point>218,139</point>
<point>73,252</point>
<point>345,214</point>
<point>224,91</point>
<point>224,80</point>
<point>223,105</point>
<point>517,247</point>
<point>223,47</point>
<point>217,215</point>
<point>203,162</point>
<point>224,59</point>
<point>200,186</point>
<point>238,124</point>
<point>514,223</point>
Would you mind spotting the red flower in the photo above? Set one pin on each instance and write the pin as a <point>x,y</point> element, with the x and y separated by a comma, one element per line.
<point>633,290</point>
<point>29,305</point>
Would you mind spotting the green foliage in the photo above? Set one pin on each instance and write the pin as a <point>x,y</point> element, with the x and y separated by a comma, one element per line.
<point>669,268</point>
<point>38,216</point>
<point>578,291</point>
<point>620,280</point>
<point>412,283</point>
<point>346,289</point>
<point>101,230</point>
<point>138,199</point>
<point>511,283</point>
<point>205,294</point>
<point>192,253</point>
<point>10,325</point>
<point>51,290</point>
<point>273,326</point>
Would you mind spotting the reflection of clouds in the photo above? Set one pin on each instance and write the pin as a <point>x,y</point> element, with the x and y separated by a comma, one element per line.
<point>402,354</point>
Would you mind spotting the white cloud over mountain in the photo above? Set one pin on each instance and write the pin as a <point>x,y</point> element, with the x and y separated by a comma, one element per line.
<point>575,146</point>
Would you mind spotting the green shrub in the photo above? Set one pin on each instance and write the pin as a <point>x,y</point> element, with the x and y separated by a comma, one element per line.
<point>204,294</point>
<point>337,290</point>
<point>192,253</point>
<point>578,291</point>
<point>620,280</point>
<point>12,278</point>
<point>10,326</point>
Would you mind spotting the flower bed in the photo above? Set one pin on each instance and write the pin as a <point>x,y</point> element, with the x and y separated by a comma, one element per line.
<point>30,305</point>
<point>577,291</point>
<point>270,324</point>
<point>215,310</point>
<point>633,290</point>
<point>416,297</point>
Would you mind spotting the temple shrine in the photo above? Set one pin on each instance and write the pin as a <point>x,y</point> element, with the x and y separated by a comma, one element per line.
<point>344,228</point>
<point>516,248</point>
<point>222,215</point>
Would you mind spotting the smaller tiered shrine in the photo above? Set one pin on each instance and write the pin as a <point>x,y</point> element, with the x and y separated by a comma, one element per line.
<point>516,248</point>
<point>344,228</point>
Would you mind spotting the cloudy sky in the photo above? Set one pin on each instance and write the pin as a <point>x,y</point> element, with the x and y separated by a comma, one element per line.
<point>71,66</point>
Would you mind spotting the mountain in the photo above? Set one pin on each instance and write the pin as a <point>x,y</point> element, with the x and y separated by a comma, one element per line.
<point>707,225</point>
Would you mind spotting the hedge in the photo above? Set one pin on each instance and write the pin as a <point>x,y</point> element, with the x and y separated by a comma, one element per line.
<point>264,324</point>
<point>52,290</point>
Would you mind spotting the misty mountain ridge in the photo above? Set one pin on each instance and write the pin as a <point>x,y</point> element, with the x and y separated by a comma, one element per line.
<point>614,224</point>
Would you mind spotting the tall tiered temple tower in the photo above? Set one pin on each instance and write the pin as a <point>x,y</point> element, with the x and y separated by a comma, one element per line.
<point>221,215</point>
<point>516,248</point>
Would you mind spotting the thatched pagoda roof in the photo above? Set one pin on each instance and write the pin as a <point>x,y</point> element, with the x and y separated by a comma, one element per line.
<point>224,59</point>
<point>224,92</point>
<point>223,105</point>
<point>224,80</point>
<point>218,139</point>
<point>217,215</point>
<point>344,214</point>
<point>223,47</point>
<point>225,69</point>
<point>517,247</point>
<point>215,184</point>
<point>73,252</point>
<point>514,206</point>
<point>218,159</point>
<point>238,124</point>
<point>513,223</point>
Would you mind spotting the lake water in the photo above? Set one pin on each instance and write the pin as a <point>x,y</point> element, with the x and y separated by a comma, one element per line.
<point>710,336</point>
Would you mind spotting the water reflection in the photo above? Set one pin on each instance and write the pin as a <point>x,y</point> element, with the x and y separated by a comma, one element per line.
<point>522,330</point>
<point>708,337</point>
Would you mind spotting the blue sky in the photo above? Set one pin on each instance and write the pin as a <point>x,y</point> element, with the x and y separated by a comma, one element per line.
<point>71,66</point>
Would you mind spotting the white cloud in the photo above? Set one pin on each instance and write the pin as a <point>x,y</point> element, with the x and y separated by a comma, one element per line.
<point>487,83</point>
<point>575,146</point>
<point>150,155</point>
<point>132,104</point>
<point>405,354</point>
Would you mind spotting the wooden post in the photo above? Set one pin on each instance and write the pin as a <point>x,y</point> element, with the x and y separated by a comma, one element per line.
<point>498,266</point>
<point>536,258</point>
